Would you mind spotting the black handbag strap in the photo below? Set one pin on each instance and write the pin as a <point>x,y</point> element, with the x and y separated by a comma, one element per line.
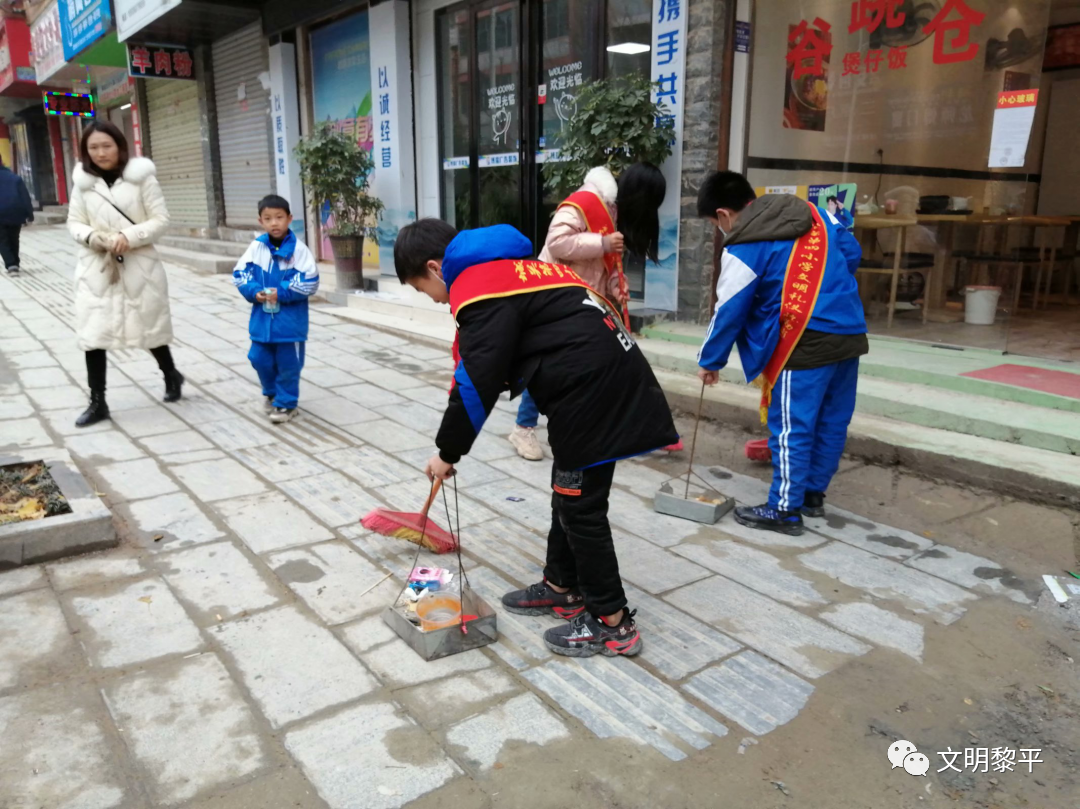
<point>119,210</point>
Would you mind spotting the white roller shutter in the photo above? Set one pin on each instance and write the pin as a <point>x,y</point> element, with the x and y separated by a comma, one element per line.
<point>176,145</point>
<point>243,112</point>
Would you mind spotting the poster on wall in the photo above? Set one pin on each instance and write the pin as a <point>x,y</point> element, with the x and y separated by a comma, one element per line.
<point>806,80</point>
<point>47,44</point>
<point>341,77</point>
<point>668,57</point>
<point>838,198</point>
<point>394,179</point>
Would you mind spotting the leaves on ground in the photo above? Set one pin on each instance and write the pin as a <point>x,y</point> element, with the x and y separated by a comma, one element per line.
<point>28,492</point>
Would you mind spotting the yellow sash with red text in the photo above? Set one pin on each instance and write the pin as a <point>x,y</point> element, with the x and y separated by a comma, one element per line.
<point>505,277</point>
<point>802,283</point>
<point>598,220</point>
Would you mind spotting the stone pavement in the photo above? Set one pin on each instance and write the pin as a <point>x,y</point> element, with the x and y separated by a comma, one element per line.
<point>234,639</point>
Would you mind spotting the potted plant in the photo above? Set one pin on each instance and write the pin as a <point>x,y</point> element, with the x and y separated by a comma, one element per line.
<point>616,123</point>
<point>336,174</point>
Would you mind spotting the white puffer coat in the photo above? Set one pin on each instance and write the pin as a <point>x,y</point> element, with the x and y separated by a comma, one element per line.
<point>134,311</point>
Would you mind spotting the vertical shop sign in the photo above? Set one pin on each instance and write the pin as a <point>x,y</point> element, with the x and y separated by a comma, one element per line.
<point>393,181</point>
<point>82,22</point>
<point>668,68</point>
<point>47,44</point>
<point>134,15</point>
<point>285,123</point>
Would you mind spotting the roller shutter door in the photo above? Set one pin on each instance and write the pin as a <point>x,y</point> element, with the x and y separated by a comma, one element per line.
<point>176,145</point>
<point>243,111</point>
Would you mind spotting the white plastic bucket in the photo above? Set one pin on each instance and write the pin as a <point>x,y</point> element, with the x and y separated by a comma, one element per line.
<point>980,305</point>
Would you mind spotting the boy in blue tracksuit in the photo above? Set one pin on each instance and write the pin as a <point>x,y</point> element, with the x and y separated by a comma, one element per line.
<point>277,275</point>
<point>816,364</point>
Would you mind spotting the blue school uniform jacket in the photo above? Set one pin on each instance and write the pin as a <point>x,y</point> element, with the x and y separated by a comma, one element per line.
<point>292,269</point>
<point>752,269</point>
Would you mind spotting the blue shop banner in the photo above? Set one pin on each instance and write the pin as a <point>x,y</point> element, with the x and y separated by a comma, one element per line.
<point>82,23</point>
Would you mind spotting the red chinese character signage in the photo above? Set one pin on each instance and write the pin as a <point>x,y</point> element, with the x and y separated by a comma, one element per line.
<point>808,48</point>
<point>868,15</point>
<point>78,105</point>
<point>951,29</point>
<point>160,62</point>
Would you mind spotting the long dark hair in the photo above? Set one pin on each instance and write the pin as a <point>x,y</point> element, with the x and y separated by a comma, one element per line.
<point>641,191</point>
<point>106,128</point>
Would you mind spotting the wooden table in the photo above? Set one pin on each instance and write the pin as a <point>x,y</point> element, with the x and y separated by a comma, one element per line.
<point>869,224</point>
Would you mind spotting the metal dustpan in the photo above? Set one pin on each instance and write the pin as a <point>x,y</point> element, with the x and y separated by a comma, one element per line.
<point>699,509</point>
<point>477,625</point>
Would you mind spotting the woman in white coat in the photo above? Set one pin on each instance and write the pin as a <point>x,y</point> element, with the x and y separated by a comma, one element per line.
<point>116,213</point>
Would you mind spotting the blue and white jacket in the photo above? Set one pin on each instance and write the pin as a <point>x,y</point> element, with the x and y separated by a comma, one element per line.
<point>292,269</point>
<point>752,269</point>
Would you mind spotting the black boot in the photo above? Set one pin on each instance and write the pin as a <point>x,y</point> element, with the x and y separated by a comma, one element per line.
<point>174,380</point>
<point>97,411</point>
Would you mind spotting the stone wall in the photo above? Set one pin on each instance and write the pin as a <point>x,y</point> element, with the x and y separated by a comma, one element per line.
<point>704,65</point>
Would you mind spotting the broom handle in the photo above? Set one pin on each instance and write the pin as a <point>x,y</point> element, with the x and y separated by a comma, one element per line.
<point>431,498</point>
<point>693,442</point>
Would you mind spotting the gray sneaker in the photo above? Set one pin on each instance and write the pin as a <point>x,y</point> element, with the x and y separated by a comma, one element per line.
<point>268,406</point>
<point>282,415</point>
<point>13,269</point>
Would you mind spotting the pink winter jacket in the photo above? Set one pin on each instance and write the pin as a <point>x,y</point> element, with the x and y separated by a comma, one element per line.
<point>569,241</point>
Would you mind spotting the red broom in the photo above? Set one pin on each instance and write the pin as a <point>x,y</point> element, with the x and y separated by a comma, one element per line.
<point>416,528</point>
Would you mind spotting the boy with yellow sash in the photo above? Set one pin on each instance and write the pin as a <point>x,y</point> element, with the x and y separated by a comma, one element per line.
<point>787,297</point>
<point>523,323</point>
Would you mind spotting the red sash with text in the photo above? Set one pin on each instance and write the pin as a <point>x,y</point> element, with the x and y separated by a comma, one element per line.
<point>505,277</point>
<point>802,283</point>
<point>598,220</point>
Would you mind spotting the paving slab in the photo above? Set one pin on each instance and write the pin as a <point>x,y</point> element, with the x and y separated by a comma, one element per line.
<point>389,436</point>
<point>522,719</point>
<point>104,446</point>
<point>752,690</point>
<point>369,757</point>
<point>390,379</point>
<point>884,540</point>
<point>60,397</point>
<point>334,580</point>
<point>370,396</point>
<point>20,579</point>
<point>129,622</point>
<point>218,480</point>
<point>187,726</point>
<point>175,443</point>
<point>976,573</point>
<point>626,701</point>
<point>443,702</point>
<point>328,377</point>
<point>293,666</point>
<point>218,581</point>
<point>398,666</point>
<point>332,498</point>
<point>339,411</point>
<point>22,434</point>
<point>371,467</point>
<point>651,568</point>
<point>531,508</point>
<point>234,434</point>
<point>629,512</point>
<point>137,480</point>
<point>410,495</point>
<point>879,626</point>
<point>18,406</point>
<point>43,378</point>
<point>198,456</point>
<point>94,569</point>
<point>757,569</point>
<point>35,643</point>
<point>175,518</point>
<point>808,646</point>
<point>141,422</point>
<point>415,415</point>
<point>270,521</point>
<point>278,462</point>
<point>63,759</point>
<point>917,591</point>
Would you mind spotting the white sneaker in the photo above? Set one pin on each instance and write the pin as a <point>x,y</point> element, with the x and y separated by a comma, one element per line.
<point>282,415</point>
<point>526,443</point>
<point>268,405</point>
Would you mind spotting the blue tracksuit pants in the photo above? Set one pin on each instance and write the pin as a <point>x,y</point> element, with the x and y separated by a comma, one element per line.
<point>278,366</point>
<point>808,418</point>
<point>528,413</point>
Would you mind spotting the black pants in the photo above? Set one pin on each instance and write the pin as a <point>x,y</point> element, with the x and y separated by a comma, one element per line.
<point>96,365</point>
<point>9,244</point>
<point>581,552</point>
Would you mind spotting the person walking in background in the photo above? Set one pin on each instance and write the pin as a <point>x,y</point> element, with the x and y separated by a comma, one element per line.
<point>117,212</point>
<point>787,295</point>
<point>588,233</point>
<point>277,275</point>
<point>16,210</point>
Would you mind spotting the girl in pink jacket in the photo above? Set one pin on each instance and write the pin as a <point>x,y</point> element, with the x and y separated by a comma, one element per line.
<point>590,239</point>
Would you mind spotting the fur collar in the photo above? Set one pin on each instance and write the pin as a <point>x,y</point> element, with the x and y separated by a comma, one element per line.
<point>603,181</point>
<point>136,172</point>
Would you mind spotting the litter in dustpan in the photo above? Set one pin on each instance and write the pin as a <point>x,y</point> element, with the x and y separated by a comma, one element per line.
<point>430,616</point>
